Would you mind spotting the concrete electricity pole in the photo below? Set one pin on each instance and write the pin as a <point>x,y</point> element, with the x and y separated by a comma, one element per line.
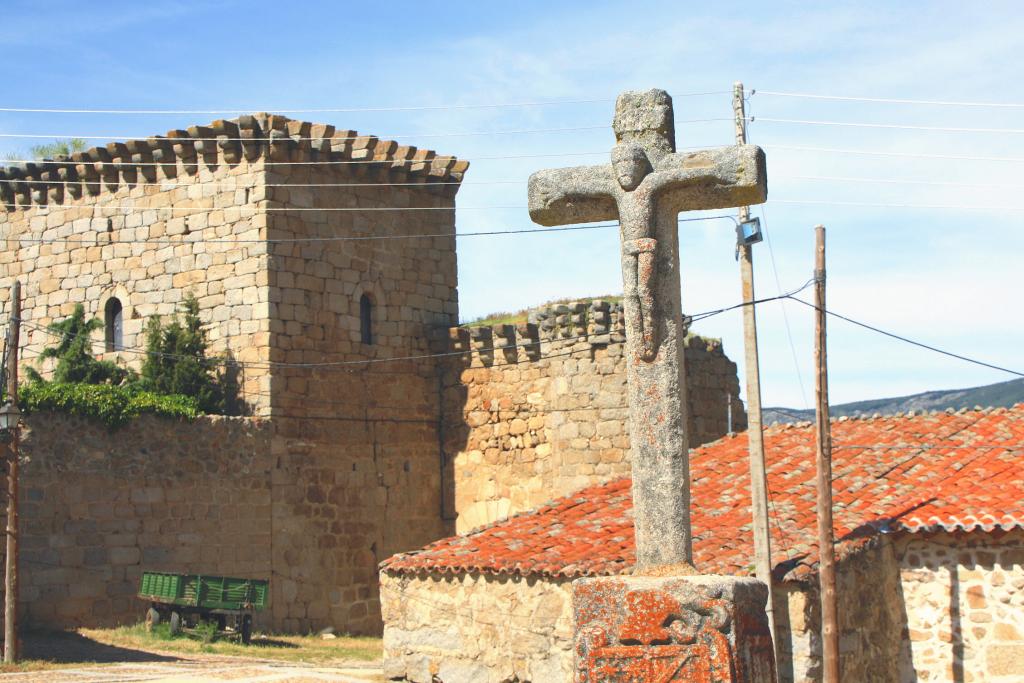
<point>758,477</point>
<point>826,561</point>
<point>11,575</point>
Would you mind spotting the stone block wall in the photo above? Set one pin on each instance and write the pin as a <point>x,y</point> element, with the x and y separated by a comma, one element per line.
<point>871,620</point>
<point>477,628</point>
<point>914,607</point>
<point>97,509</point>
<point>538,410</point>
<point>148,235</point>
<point>356,442</point>
<point>246,215</point>
<point>964,596</point>
<point>211,496</point>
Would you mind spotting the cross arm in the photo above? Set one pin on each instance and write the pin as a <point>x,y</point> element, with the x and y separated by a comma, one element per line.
<point>572,195</point>
<point>716,178</point>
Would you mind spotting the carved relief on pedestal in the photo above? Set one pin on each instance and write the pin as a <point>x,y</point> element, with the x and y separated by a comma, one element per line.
<point>661,639</point>
<point>663,631</point>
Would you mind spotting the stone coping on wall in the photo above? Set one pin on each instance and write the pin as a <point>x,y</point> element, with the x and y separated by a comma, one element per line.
<point>550,331</point>
<point>274,139</point>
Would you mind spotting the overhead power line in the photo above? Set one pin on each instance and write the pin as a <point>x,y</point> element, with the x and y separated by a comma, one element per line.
<point>234,185</point>
<point>322,162</point>
<point>911,155</point>
<point>287,138</point>
<point>833,202</point>
<point>119,207</point>
<point>893,335</point>
<point>888,100</point>
<point>374,361</point>
<point>899,181</point>
<point>336,110</point>
<point>896,126</point>
<point>188,239</point>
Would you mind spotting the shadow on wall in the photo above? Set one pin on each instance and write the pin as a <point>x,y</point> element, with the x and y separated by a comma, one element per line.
<point>453,432</point>
<point>873,644</point>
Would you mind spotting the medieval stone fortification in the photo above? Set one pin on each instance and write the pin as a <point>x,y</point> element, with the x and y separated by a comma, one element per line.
<point>341,462</point>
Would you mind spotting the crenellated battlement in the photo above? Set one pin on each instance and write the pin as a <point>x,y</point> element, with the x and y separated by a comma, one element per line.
<point>550,331</point>
<point>274,139</point>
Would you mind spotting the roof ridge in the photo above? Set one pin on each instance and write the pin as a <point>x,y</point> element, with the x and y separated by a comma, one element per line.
<point>274,138</point>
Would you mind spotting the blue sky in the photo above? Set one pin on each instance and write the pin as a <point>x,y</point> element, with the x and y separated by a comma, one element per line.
<point>947,277</point>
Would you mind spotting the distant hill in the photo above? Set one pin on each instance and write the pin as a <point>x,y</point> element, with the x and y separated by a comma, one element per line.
<point>1001,395</point>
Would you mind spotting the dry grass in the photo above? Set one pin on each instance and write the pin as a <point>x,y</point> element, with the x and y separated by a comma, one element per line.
<point>30,665</point>
<point>43,651</point>
<point>306,649</point>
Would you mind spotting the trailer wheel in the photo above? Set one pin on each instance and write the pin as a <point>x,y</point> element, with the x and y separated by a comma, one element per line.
<point>152,618</point>
<point>247,629</point>
<point>175,623</point>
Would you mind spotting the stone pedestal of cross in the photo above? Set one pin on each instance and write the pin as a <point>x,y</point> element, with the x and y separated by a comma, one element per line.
<point>659,625</point>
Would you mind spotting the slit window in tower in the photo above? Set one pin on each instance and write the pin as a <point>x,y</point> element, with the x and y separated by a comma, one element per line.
<point>113,315</point>
<point>366,319</point>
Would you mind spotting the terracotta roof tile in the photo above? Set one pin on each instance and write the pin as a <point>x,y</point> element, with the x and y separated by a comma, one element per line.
<point>927,472</point>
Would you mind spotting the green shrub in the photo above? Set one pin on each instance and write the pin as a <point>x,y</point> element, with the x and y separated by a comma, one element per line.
<point>176,363</point>
<point>112,405</point>
<point>73,352</point>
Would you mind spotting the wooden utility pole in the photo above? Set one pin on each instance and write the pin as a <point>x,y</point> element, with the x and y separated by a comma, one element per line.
<point>826,561</point>
<point>755,434</point>
<point>11,575</point>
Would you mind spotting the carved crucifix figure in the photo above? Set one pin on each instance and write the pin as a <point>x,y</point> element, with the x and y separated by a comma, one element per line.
<point>646,186</point>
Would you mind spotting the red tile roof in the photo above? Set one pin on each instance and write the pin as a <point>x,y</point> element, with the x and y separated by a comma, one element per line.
<point>937,471</point>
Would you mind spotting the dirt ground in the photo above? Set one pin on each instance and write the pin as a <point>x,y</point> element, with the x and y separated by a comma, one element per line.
<point>75,657</point>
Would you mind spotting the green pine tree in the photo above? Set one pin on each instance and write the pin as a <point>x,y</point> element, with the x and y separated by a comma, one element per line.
<point>176,362</point>
<point>73,353</point>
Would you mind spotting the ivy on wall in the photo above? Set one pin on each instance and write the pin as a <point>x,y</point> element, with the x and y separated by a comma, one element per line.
<point>178,380</point>
<point>112,405</point>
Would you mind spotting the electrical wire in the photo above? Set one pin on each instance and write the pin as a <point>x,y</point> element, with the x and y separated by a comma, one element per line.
<point>172,209</point>
<point>296,138</point>
<point>900,181</point>
<point>324,162</point>
<point>372,361</point>
<point>833,202</point>
<point>342,110</point>
<point>886,100</point>
<point>45,208</point>
<point>785,315</point>
<point>349,238</point>
<point>911,341</point>
<point>169,184</point>
<point>909,155</point>
<point>894,126</point>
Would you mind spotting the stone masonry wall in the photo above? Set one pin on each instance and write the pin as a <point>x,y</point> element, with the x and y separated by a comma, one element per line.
<point>539,410</point>
<point>916,607</point>
<point>99,508</point>
<point>356,445</point>
<point>476,628</point>
<point>279,227</point>
<point>146,235</point>
<point>871,620</point>
<point>964,596</point>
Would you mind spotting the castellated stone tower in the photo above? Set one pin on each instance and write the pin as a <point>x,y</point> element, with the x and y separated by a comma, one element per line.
<point>231,213</point>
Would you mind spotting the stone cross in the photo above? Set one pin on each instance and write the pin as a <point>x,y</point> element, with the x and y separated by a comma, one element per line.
<point>646,186</point>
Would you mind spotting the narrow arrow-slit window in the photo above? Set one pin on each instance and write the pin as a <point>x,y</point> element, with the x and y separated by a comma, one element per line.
<point>114,319</point>
<point>366,319</point>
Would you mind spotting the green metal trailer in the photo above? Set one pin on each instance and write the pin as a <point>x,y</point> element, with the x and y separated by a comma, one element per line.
<point>186,599</point>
